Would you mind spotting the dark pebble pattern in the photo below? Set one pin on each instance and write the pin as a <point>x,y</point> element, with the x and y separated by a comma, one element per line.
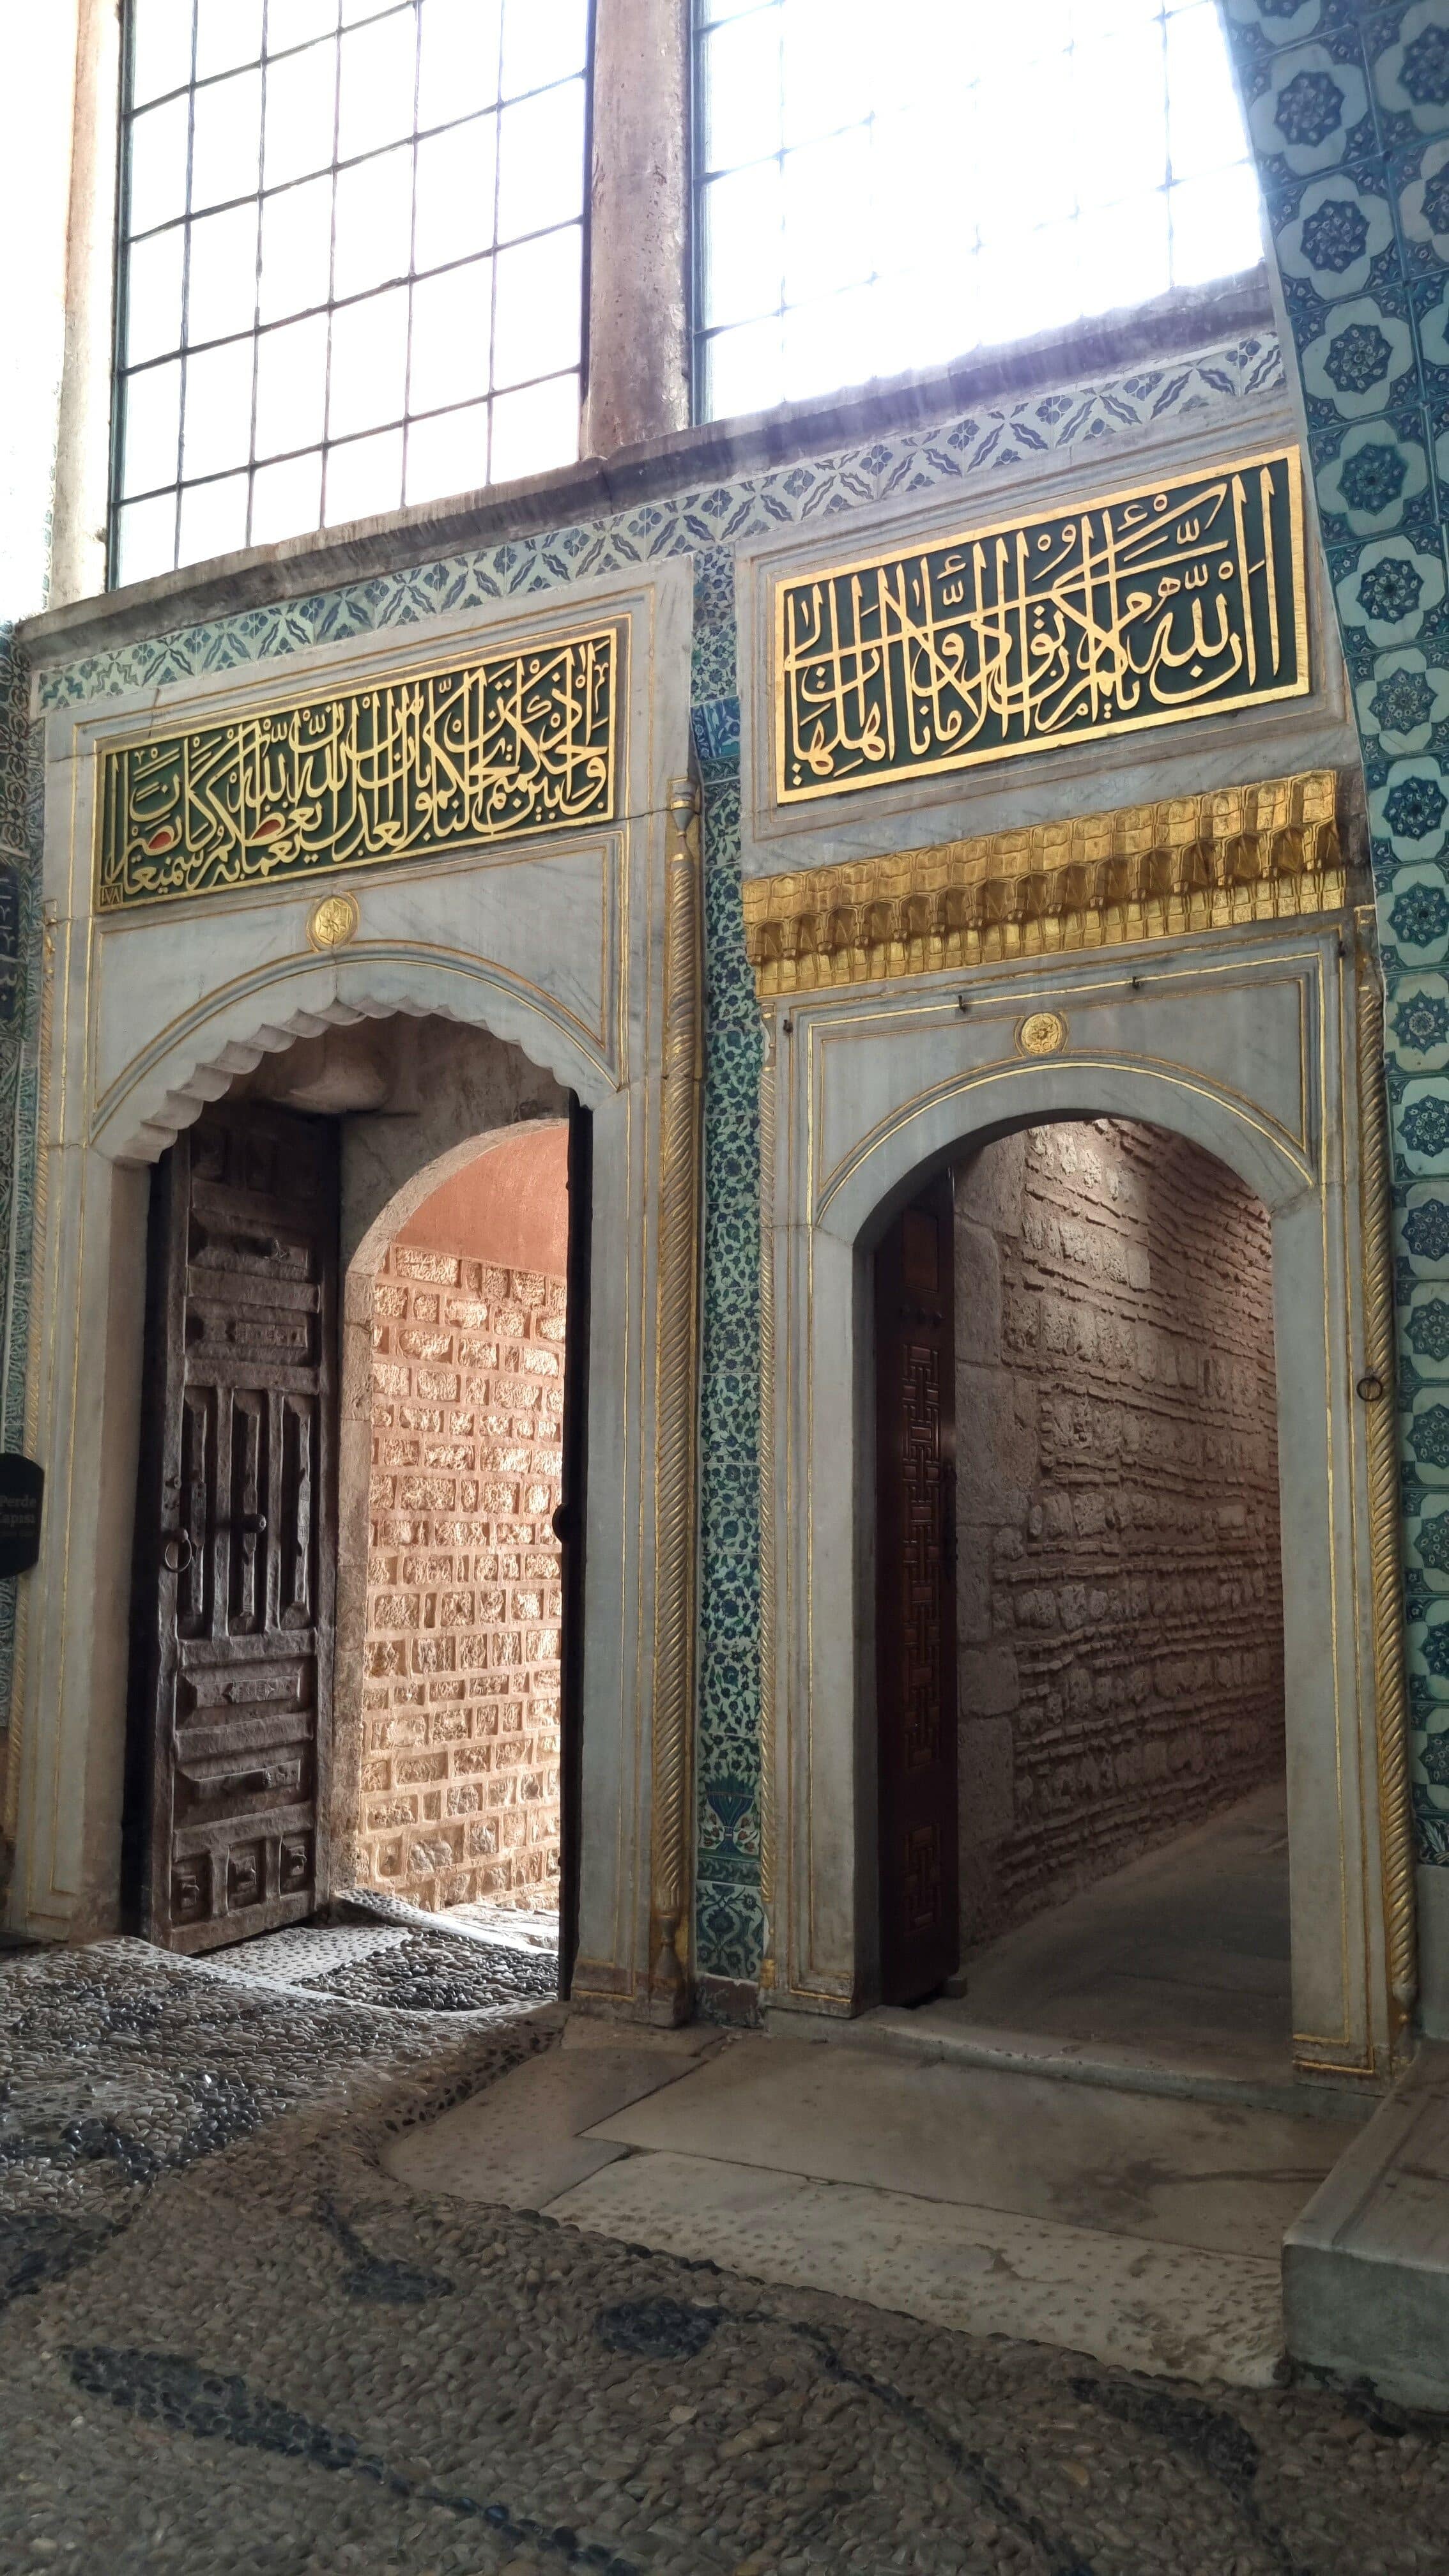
<point>430,1972</point>
<point>231,2340</point>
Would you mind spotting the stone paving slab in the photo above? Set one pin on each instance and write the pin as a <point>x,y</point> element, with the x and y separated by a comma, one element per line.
<point>1137,2306</point>
<point>1219,2178</point>
<point>1366,2266</point>
<point>521,2144</point>
<point>230,2340</point>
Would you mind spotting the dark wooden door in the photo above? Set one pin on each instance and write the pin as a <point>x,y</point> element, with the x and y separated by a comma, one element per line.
<point>916,1597</point>
<point>236,1529</point>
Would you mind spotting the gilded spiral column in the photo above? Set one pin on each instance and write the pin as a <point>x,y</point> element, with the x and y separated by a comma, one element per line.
<point>767,1512</point>
<point>1395,1818</point>
<point>676,1426</point>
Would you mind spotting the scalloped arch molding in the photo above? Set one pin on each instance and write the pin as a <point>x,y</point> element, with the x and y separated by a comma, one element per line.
<point>165,1088</point>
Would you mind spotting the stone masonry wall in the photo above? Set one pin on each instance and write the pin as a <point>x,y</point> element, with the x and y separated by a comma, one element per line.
<point>1120,1588</point>
<point>461,1762</point>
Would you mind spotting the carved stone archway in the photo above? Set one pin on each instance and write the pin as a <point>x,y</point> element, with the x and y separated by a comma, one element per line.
<point>583,952</point>
<point>1257,1039</point>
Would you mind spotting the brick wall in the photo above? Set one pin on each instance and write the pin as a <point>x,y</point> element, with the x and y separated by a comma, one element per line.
<point>1120,1589</point>
<point>460,1783</point>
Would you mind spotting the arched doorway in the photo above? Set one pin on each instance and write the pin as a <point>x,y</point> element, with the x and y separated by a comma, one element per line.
<point>1079,1631</point>
<point>347,1661</point>
<point>1250,1047</point>
<point>461,1790</point>
<point>579,946</point>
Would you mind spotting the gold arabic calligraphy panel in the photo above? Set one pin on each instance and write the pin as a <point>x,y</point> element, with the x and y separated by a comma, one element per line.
<point>1176,600</point>
<point>410,768</point>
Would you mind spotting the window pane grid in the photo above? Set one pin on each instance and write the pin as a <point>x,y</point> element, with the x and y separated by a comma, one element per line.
<point>861,210</point>
<point>360,287</point>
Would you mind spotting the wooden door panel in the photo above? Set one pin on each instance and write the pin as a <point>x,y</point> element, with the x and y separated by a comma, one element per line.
<point>296,1495</point>
<point>236,1525</point>
<point>915,1598</point>
<point>246,1502</point>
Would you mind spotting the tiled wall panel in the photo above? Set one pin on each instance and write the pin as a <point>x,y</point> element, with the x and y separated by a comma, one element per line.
<point>1348,108</point>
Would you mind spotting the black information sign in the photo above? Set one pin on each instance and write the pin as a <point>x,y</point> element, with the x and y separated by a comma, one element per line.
<point>22,1484</point>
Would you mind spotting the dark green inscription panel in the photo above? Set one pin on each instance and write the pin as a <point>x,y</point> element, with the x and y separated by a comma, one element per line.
<point>412,768</point>
<point>1169,602</point>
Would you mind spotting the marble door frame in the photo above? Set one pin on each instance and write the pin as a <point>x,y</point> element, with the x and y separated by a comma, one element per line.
<point>1256,1044</point>
<point>583,951</point>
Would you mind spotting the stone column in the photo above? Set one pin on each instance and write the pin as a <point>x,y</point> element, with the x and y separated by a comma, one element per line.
<point>638,359</point>
<point>82,467</point>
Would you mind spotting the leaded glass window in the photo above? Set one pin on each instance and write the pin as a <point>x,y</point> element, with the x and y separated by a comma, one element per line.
<point>884,187</point>
<point>352,271</point>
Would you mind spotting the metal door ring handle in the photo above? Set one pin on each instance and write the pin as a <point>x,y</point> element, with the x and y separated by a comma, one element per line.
<point>177,1555</point>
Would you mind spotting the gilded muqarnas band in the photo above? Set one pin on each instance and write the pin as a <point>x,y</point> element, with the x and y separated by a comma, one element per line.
<point>488,749</point>
<point>1146,608</point>
<point>1265,852</point>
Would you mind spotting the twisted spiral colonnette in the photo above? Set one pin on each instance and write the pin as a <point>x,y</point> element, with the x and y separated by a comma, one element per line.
<point>676,1371</point>
<point>767,1517</point>
<point>1395,1819</point>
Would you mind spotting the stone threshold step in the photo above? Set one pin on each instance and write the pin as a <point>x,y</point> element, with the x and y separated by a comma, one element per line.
<point>1366,2265</point>
<point>962,2043</point>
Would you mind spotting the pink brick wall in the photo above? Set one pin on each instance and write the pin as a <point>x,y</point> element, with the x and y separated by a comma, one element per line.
<point>460,1784</point>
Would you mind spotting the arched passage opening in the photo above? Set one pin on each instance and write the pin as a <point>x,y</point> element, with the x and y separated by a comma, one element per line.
<point>460,1788</point>
<point>1079,1619</point>
<point>357,1324</point>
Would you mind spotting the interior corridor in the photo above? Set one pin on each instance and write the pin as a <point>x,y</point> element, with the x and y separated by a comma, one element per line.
<point>1123,1823</point>
<point>1180,1960</point>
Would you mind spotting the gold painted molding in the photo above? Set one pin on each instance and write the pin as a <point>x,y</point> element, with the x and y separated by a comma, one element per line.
<point>1235,854</point>
<point>1390,1693</point>
<point>675,1428</point>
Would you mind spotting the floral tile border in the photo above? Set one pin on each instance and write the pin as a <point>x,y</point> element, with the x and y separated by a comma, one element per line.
<point>1348,108</point>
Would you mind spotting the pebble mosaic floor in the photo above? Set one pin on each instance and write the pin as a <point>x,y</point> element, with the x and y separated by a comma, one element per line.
<point>228,2339</point>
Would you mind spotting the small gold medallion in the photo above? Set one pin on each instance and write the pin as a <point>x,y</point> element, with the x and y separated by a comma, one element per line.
<point>1042,1033</point>
<point>333,921</point>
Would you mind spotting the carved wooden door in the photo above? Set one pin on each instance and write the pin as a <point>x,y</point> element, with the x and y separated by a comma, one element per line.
<point>916,1597</point>
<point>236,1529</point>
